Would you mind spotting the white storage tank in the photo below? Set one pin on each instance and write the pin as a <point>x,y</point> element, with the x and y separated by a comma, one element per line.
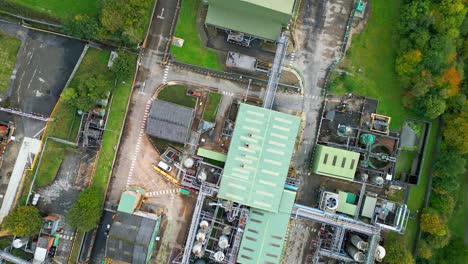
<point>219,256</point>
<point>223,242</point>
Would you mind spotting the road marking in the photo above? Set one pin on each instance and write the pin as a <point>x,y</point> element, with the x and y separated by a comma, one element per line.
<point>162,192</point>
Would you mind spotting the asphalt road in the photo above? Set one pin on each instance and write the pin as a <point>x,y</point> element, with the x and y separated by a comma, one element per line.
<point>99,248</point>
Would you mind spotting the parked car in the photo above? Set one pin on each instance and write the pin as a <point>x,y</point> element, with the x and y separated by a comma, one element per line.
<point>164,166</point>
<point>194,93</point>
<point>35,199</point>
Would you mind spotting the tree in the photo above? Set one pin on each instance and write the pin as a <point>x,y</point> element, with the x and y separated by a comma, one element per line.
<point>23,221</point>
<point>456,133</point>
<point>407,63</point>
<point>430,105</point>
<point>85,213</point>
<point>449,163</point>
<point>452,79</point>
<point>443,203</point>
<point>445,185</point>
<point>438,241</point>
<point>111,15</point>
<point>432,223</point>
<point>122,66</point>
<point>90,88</point>
<point>397,252</point>
<point>82,27</point>
<point>456,252</point>
<point>424,250</point>
<point>422,84</point>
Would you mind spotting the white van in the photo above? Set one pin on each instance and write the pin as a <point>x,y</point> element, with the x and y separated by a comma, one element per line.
<point>163,165</point>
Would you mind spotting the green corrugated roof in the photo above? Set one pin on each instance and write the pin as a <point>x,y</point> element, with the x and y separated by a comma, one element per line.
<point>258,159</point>
<point>336,163</point>
<point>127,203</point>
<point>343,206</point>
<point>260,18</point>
<point>211,154</point>
<point>264,235</point>
<point>369,207</point>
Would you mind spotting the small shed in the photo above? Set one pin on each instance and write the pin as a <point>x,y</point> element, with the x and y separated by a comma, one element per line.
<point>169,121</point>
<point>369,207</point>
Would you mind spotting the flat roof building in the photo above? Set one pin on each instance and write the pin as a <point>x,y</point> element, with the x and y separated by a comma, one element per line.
<point>257,18</point>
<point>131,238</point>
<point>169,121</point>
<point>336,163</point>
<point>265,233</point>
<point>258,159</point>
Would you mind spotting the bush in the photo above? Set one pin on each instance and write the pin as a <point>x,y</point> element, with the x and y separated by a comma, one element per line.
<point>424,250</point>
<point>432,223</point>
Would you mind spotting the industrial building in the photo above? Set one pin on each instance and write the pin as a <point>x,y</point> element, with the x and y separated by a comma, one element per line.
<point>169,121</point>
<point>246,20</point>
<point>133,232</point>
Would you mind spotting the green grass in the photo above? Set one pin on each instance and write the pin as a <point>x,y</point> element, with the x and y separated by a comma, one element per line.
<point>212,107</point>
<point>76,246</point>
<point>457,221</point>
<point>177,94</point>
<point>8,51</point>
<point>61,8</point>
<point>404,163</point>
<point>162,144</point>
<point>371,62</point>
<point>67,121</point>
<point>115,123</point>
<point>193,50</point>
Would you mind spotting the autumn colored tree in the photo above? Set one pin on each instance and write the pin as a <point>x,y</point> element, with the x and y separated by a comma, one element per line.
<point>407,63</point>
<point>452,79</point>
<point>397,252</point>
<point>456,133</point>
<point>431,222</point>
<point>23,221</point>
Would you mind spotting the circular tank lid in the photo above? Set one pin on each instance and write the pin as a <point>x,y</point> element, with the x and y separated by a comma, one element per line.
<point>223,242</point>
<point>204,224</point>
<point>201,236</point>
<point>17,243</point>
<point>380,252</point>
<point>188,163</point>
<point>219,256</point>
<point>202,176</point>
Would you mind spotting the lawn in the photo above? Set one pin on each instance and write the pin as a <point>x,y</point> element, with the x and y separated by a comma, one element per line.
<point>457,222</point>
<point>193,50</point>
<point>177,94</point>
<point>60,8</point>
<point>8,51</point>
<point>370,67</point>
<point>115,124</point>
<point>404,163</point>
<point>212,107</point>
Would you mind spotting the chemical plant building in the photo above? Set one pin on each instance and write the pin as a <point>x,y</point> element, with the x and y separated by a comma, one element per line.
<point>246,20</point>
<point>249,221</point>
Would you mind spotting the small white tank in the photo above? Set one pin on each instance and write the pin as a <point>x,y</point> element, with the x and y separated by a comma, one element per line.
<point>197,249</point>
<point>380,253</point>
<point>200,236</point>
<point>377,180</point>
<point>223,242</point>
<point>188,163</point>
<point>227,230</point>
<point>204,225</point>
<point>20,242</point>
<point>219,256</point>
<point>202,176</point>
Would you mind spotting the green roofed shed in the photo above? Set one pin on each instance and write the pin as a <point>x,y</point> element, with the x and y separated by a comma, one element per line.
<point>344,205</point>
<point>336,163</point>
<point>258,159</point>
<point>259,18</point>
<point>263,238</point>
<point>127,203</point>
<point>209,154</point>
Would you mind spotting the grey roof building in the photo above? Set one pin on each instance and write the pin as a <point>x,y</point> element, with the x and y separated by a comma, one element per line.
<point>169,121</point>
<point>131,238</point>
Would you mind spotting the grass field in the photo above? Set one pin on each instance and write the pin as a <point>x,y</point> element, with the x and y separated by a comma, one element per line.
<point>177,94</point>
<point>457,222</point>
<point>8,50</point>
<point>370,62</point>
<point>193,51</point>
<point>115,123</point>
<point>212,107</point>
<point>61,8</point>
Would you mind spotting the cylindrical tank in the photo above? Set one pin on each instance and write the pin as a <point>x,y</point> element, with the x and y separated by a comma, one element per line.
<point>377,180</point>
<point>20,242</point>
<point>345,130</point>
<point>359,243</point>
<point>355,253</point>
<point>188,163</point>
<point>367,139</point>
<point>200,261</point>
<point>223,242</point>
<point>364,177</point>
<point>219,256</point>
<point>197,249</point>
<point>202,176</point>
<point>227,230</point>
<point>200,236</point>
<point>380,253</point>
<point>204,225</point>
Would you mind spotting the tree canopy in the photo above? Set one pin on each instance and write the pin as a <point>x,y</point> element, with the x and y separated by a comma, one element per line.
<point>91,87</point>
<point>456,133</point>
<point>85,213</point>
<point>122,66</point>
<point>432,223</point>
<point>397,252</point>
<point>23,221</point>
